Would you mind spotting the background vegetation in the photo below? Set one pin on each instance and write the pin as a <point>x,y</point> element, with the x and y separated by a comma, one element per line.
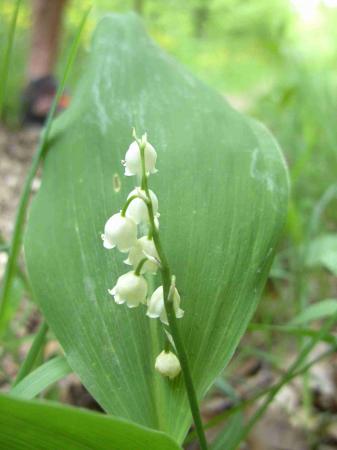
<point>276,60</point>
<point>273,59</point>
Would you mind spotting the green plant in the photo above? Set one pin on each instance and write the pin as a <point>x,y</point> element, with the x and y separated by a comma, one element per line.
<point>7,57</point>
<point>44,425</point>
<point>220,235</point>
<point>223,191</point>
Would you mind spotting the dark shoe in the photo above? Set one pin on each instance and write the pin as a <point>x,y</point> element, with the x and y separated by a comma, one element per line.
<point>37,99</point>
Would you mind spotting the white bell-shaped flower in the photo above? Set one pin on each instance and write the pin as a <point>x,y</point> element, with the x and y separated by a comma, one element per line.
<point>133,162</point>
<point>130,289</point>
<point>137,209</point>
<point>168,364</point>
<point>156,306</point>
<point>144,248</point>
<point>120,232</point>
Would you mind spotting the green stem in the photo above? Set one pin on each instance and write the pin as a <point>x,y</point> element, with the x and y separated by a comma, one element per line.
<point>23,204</point>
<point>140,265</point>
<point>127,203</point>
<point>182,355</point>
<point>33,353</point>
<point>167,344</point>
<point>172,320</point>
<point>7,57</point>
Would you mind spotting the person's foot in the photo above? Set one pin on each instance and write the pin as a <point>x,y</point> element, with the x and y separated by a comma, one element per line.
<point>37,99</point>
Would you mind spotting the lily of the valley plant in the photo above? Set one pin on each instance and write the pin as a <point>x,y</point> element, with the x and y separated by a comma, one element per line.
<point>145,254</point>
<point>121,231</point>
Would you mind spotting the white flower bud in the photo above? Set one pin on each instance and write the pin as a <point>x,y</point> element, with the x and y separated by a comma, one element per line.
<point>168,364</point>
<point>144,248</point>
<point>130,289</point>
<point>133,163</point>
<point>156,306</point>
<point>137,209</point>
<point>121,232</point>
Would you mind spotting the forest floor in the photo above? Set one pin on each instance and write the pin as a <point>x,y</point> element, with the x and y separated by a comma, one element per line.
<point>285,426</point>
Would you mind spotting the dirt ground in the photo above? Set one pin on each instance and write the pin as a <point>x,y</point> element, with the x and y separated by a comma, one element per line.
<point>16,150</point>
<point>285,426</point>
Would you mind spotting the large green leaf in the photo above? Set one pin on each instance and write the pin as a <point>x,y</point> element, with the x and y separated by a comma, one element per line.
<point>222,187</point>
<point>27,425</point>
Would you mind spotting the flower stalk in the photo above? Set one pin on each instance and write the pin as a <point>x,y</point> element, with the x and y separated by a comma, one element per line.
<point>127,203</point>
<point>140,265</point>
<point>147,256</point>
<point>168,289</point>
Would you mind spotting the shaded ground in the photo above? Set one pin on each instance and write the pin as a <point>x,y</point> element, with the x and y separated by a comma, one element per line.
<point>16,150</point>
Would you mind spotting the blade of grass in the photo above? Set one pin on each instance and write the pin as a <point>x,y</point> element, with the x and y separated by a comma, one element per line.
<point>5,247</point>
<point>21,212</point>
<point>228,434</point>
<point>34,351</point>
<point>41,378</point>
<point>301,284</point>
<point>7,57</point>
<point>294,330</point>
<point>247,402</point>
<point>293,368</point>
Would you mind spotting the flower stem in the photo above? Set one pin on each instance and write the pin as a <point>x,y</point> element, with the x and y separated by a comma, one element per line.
<point>127,203</point>
<point>181,352</point>
<point>167,345</point>
<point>172,320</point>
<point>140,265</point>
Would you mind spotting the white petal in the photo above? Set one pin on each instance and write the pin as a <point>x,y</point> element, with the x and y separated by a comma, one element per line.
<point>119,300</point>
<point>132,289</point>
<point>131,305</point>
<point>156,306</point>
<point>112,291</point>
<point>107,245</point>
<point>116,297</point>
<point>152,314</point>
<point>168,364</point>
<point>163,317</point>
<point>179,313</point>
<point>137,209</point>
<point>135,255</point>
<point>121,232</point>
<point>133,162</point>
<point>127,172</point>
<point>144,248</point>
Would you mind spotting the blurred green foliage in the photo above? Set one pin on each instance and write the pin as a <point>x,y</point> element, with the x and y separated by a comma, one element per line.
<point>274,59</point>
<point>231,44</point>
